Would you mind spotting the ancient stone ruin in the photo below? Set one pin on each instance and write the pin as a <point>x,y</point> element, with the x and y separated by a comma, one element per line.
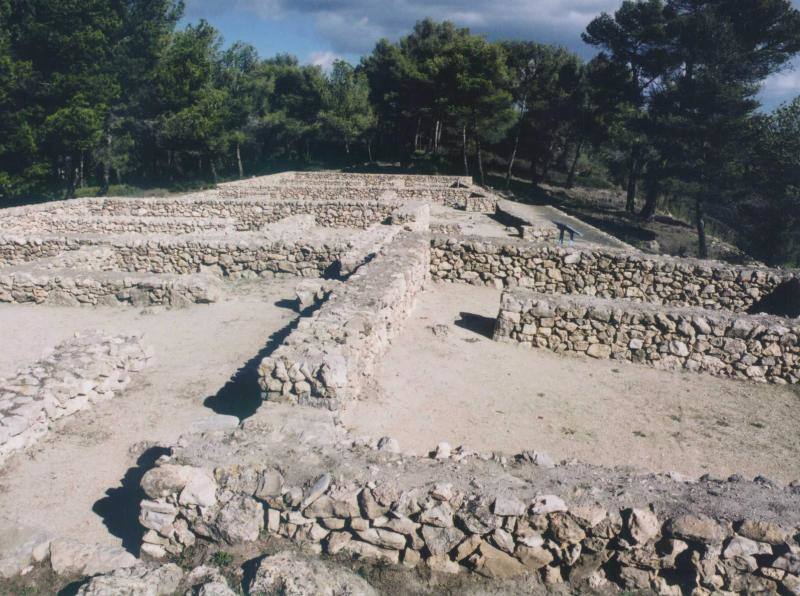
<point>295,470</point>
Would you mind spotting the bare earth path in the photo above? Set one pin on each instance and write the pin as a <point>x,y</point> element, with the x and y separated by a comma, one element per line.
<point>466,389</point>
<point>81,481</point>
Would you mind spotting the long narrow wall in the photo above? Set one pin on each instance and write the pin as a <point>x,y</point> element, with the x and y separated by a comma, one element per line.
<point>601,272</point>
<point>326,359</point>
<point>761,347</point>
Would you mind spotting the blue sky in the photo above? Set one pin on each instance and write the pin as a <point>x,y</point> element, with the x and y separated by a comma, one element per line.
<point>319,31</point>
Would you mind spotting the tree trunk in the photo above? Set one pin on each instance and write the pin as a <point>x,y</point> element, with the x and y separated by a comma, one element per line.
<point>239,160</point>
<point>562,157</point>
<point>573,170</point>
<point>69,170</point>
<point>479,152</point>
<point>436,136</point>
<point>416,134</point>
<point>106,169</point>
<point>546,169</point>
<point>648,211</point>
<point>212,164</point>
<point>700,222</point>
<point>347,147</point>
<point>512,158</point>
<point>369,151</point>
<point>464,149</point>
<point>81,171</point>
<point>633,179</point>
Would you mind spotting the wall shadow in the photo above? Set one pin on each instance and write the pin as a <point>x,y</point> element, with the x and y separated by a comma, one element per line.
<point>478,324</point>
<point>119,509</point>
<point>241,395</point>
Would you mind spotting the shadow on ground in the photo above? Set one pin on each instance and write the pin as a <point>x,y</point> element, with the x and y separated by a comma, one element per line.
<point>478,324</point>
<point>119,509</point>
<point>71,589</point>
<point>241,395</point>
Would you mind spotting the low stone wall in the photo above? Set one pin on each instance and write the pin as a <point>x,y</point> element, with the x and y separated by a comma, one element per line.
<point>601,272</point>
<point>74,376</point>
<point>238,256</point>
<point>453,197</point>
<point>16,249</point>
<point>761,348</point>
<point>446,228</point>
<point>398,180</point>
<point>480,203</point>
<point>325,360</point>
<point>50,224</point>
<point>75,288</point>
<point>265,254</point>
<point>253,213</point>
<point>504,519</point>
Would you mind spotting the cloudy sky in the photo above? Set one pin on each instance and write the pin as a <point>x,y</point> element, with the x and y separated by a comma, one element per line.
<point>318,31</point>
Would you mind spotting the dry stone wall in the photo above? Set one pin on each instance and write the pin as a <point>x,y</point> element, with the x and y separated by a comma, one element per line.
<point>253,213</point>
<point>454,197</point>
<point>77,288</point>
<point>16,249</point>
<point>50,224</point>
<point>501,518</point>
<point>453,191</point>
<point>397,180</point>
<point>761,348</point>
<point>325,360</point>
<point>74,376</point>
<point>601,272</point>
<point>256,253</point>
<point>231,258</point>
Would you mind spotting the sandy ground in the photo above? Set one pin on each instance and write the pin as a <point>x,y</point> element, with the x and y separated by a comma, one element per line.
<point>466,389</point>
<point>81,481</point>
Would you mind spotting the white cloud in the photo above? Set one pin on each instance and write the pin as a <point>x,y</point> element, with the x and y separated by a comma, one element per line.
<point>324,60</point>
<point>353,26</point>
<point>781,87</point>
<point>783,82</point>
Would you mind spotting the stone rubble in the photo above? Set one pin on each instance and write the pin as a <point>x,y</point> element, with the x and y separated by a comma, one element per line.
<point>76,374</point>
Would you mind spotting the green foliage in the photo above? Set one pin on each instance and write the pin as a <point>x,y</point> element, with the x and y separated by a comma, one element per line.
<point>347,113</point>
<point>771,211</point>
<point>695,68</point>
<point>222,558</point>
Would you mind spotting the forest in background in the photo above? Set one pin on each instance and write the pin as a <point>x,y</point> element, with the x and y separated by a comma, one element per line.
<point>99,94</point>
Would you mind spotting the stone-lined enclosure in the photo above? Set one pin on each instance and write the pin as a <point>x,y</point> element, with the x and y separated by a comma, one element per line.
<point>363,248</point>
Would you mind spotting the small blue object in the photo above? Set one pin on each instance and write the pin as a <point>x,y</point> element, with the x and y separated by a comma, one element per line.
<point>565,228</point>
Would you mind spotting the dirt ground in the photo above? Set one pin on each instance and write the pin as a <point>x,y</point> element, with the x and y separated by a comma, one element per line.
<point>82,480</point>
<point>472,224</point>
<point>466,389</point>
